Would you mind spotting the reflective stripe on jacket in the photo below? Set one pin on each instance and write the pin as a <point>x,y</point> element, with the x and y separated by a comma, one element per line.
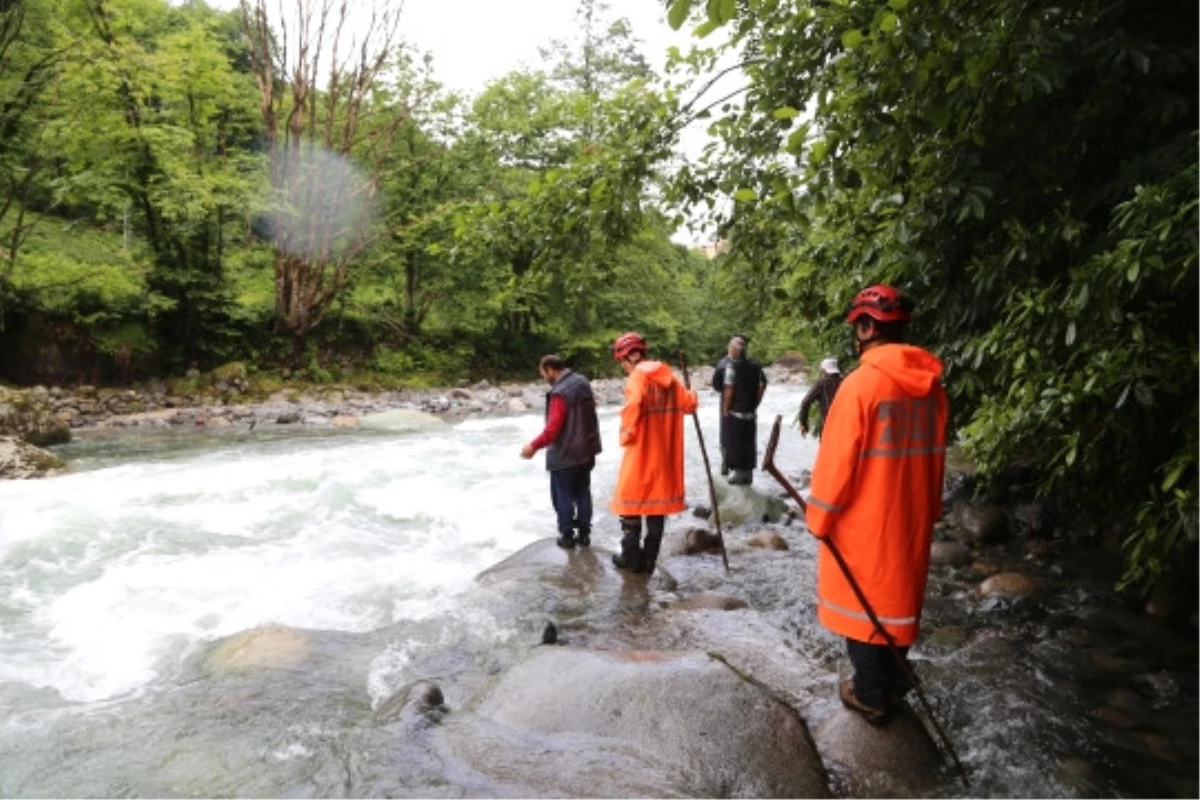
<point>877,491</point>
<point>650,481</point>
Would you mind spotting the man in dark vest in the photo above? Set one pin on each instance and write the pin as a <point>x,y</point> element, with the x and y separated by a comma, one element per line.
<point>572,439</point>
<point>742,388</point>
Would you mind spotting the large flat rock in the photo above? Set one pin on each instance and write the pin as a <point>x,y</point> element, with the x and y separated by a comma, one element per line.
<point>586,723</point>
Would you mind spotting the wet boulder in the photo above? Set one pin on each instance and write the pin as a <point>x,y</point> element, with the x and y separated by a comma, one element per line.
<point>767,540</point>
<point>982,524</point>
<point>898,759</point>
<point>1010,585</point>
<point>740,504</point>
<point>31,416</point>
<point>268,647</point>
<point>574,723</point>
<point>419,703</point>
<point>690,542</point>
<point>19,459</point>
<point>949,554</point>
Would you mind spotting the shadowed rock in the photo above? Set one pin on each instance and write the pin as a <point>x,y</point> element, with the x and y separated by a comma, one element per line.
<point>949,554</point>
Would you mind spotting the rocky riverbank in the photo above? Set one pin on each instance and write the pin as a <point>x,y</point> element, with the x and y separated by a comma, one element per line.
<point>47,415</point>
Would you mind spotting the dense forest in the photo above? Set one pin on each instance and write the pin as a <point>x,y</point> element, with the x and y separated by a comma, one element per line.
<point>185,187</point>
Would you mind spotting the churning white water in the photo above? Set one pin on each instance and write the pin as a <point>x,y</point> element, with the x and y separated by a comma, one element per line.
<point>157,543</point>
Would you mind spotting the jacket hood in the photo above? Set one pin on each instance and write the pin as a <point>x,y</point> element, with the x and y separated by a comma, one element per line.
<point>914,369</point>
<point>656,372</point>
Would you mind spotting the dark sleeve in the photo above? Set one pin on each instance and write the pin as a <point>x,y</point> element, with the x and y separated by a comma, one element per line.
<point>718,377</point>
<point>805,404</point>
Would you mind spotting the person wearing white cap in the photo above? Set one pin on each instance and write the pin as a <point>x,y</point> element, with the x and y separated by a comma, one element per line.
<point>821,393</point>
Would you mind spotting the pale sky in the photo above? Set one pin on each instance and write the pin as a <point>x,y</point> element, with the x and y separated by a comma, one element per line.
<point>475,41</point>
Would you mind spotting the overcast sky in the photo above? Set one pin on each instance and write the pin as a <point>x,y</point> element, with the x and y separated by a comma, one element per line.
<point>475,41</point>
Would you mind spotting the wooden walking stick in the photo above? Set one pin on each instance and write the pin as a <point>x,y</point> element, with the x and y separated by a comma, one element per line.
<point>712,489</point>
<point>769,466</point>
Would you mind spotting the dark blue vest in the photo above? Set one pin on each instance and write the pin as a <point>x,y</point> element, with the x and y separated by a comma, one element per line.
<point>579,440</point>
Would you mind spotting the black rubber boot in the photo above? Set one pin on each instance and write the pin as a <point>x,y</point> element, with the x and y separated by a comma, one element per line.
<point>583,537</point>
<point>630,557</point>
<point>654,535</point>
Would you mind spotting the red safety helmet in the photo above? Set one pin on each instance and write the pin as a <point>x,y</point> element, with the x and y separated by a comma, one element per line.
<point>881,303</point>
<point>628,343</point>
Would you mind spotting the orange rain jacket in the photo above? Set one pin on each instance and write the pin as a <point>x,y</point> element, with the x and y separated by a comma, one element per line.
<point>877,490</point>
<point>651,478</point>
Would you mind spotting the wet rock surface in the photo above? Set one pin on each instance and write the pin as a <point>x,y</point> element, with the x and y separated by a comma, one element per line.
<point>19,459</point>
<point>637,723</point>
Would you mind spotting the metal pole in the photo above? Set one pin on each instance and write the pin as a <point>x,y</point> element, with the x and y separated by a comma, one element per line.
<point>712,489</point>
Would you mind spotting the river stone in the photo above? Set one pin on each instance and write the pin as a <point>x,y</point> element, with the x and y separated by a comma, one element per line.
<point>31,417</point>
<point>516,405</point>
<point>1009,584</point>
<point>710,600</point>
<point>583,723</point>
<point>898,759</point>
<point>740,504</point>
<point>949,554</point>
<point>978,524</point>
<point>20,460</point>
<point>767,540</point>
<point>344,422</point>
<point>268,647</point>
<point>401,419</point>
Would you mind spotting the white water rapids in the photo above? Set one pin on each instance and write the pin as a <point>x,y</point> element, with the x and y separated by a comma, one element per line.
<point>160,541</point>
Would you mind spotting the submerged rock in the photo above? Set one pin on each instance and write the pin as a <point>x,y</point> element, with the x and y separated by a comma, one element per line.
<point>710,600</point>
<point>401,419</point>
<point>767,540</point>
<point>574,723</point>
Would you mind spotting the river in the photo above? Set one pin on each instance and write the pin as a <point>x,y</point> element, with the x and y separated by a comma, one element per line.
<point>117,577</point>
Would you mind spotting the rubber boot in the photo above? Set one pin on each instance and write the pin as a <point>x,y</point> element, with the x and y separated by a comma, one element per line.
<point>654,535</point>
<point>630,557</point>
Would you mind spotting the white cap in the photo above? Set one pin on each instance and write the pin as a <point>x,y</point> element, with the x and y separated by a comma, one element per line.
<point>830,365</point>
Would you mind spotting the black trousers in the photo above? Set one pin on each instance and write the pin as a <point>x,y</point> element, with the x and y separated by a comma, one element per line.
<point>879,680</point>
<point>633,551</point>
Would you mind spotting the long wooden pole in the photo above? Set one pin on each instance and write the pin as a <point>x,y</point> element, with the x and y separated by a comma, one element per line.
<point>712,489</point>
<point>769,466</point>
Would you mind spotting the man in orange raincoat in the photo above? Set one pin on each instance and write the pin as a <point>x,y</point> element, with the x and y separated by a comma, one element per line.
<point>650,482</point>
<point>876,493</point>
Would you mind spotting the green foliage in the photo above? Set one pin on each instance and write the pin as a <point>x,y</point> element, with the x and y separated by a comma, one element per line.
<point>1027,170</point>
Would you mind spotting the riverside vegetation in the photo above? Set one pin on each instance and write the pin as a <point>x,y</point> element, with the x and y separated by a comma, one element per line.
<point>181,192</point>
